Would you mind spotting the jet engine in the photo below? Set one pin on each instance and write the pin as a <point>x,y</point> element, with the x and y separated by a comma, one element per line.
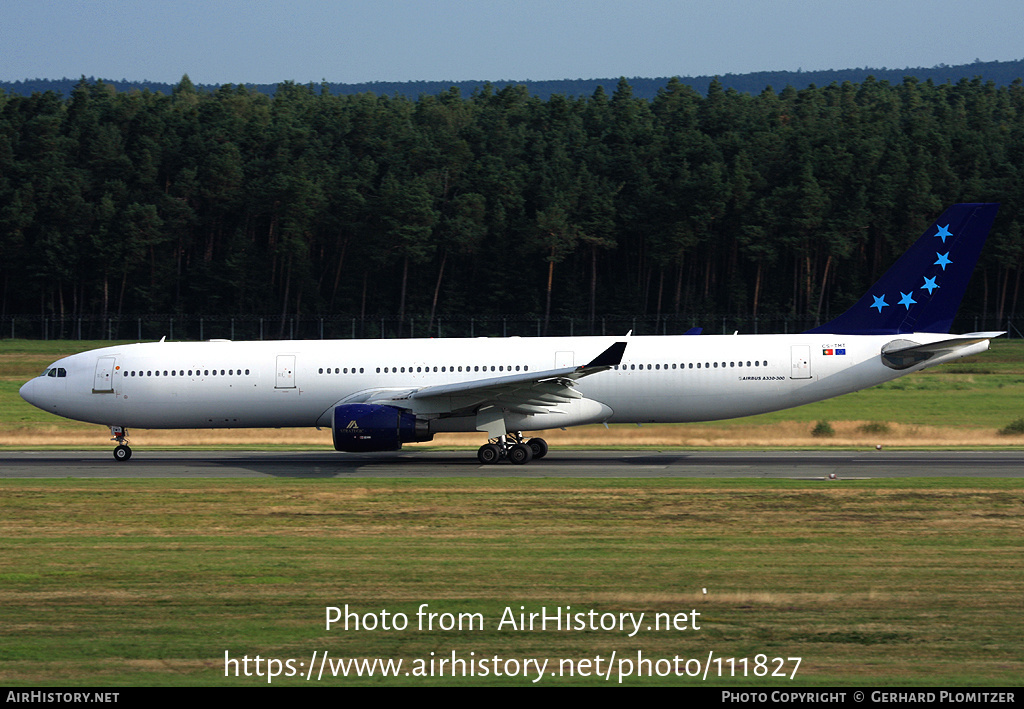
<point>360,428</point>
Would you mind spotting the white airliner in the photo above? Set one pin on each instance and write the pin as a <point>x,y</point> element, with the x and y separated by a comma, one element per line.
<point>377,394</point>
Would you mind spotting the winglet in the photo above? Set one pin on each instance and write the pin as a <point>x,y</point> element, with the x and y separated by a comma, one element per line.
<point>922,291</point>
<point>609,358</point>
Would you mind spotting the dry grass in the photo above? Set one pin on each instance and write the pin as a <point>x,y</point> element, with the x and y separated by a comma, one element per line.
<point>795,434</point>
<point>147,582</point>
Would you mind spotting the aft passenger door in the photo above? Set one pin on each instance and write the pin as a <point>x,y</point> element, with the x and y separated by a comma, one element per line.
<point>801,366</point>
<point>285,372</point>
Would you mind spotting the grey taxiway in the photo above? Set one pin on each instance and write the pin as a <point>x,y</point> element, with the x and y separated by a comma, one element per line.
<point>843,465</point>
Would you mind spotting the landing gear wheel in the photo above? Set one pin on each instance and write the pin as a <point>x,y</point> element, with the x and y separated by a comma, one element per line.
<point>520,454</point>
<point>122,453</point>
<point>539,447</point>
<point>488,453</point>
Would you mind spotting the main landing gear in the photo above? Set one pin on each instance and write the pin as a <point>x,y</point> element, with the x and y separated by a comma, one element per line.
<point>514,447</point>
<point>123,452</point>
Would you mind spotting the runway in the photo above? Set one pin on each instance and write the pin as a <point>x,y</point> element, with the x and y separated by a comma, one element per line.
<point>845,465</point>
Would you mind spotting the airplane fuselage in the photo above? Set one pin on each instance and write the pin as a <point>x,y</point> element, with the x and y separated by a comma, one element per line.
<point>297,383</point>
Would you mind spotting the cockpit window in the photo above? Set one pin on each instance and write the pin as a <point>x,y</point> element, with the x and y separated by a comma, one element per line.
<point>55,372</point>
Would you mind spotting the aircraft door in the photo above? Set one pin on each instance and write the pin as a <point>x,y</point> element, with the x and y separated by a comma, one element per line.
<point>285,372</point>
<point>103,378</point>
<point>801,362</point>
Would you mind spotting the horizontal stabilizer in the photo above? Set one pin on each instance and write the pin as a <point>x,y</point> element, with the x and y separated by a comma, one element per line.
<point>903,354</point>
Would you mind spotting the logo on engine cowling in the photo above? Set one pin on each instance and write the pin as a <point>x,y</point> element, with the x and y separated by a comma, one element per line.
<point>352,425</point>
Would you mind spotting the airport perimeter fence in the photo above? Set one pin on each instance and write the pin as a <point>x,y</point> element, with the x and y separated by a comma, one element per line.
<point>314,327</point>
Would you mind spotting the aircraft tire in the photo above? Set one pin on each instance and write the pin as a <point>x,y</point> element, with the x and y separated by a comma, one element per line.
<point>539,447</point>
<point>488,454</point>
<point>122,453</point>
<point>520,454</point>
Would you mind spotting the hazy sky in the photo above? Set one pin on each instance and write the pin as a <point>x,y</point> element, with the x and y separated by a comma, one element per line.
<point>349,41</point>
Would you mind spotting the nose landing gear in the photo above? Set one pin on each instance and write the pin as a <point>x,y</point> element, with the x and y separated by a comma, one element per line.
<point>123,452</point>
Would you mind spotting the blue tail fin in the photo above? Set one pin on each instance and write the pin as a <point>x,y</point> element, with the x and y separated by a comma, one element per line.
<point>922,291</point>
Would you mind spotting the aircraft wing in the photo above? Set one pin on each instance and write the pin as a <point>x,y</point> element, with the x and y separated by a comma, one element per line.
<point>525,392</point>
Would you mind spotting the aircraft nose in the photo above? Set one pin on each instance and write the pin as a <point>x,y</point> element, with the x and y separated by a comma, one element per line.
<point>27,392</point>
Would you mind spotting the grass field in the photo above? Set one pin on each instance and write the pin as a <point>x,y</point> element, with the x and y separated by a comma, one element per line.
<point>965,404</point>
<point>149,582</point>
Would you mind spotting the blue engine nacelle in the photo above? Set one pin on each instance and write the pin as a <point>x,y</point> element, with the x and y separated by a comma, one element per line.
<point>360,428</point>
